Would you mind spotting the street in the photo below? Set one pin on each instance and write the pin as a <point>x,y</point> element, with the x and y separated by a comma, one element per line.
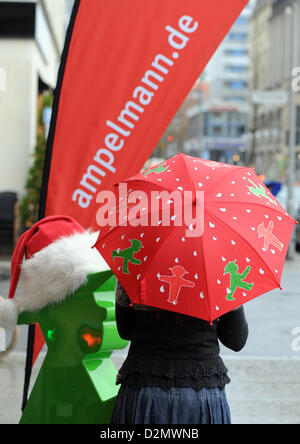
<point>265,385</point>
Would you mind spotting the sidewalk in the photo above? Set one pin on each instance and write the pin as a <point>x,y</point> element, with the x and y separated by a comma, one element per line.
<point>262,391</point>
<point>4,270</point>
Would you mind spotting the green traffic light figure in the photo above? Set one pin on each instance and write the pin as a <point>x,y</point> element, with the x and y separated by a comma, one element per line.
<point>68,289</point>
<point>127,255</point>
<point>76,384</point>
<point>157,170</point>
<point>237,279</point>
<point>260,191</point>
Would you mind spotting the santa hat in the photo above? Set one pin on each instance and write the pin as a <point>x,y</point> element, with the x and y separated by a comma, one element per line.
<point>58,258</point>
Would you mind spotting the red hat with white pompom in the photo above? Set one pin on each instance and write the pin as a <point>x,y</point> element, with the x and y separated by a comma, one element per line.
<point>53,258</point>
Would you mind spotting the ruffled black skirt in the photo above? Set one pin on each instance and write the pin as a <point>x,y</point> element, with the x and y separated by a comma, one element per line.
<point>169,373</point>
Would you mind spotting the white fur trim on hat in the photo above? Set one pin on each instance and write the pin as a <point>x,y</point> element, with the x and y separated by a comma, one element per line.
<point>9,313</point>
<point>59,270</point>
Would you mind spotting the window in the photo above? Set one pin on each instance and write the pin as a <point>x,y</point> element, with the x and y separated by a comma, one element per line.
<point>217,131</point>
<point>237,69</point>
<point>217,115</point>
<point>236,52</point>
<point>241,130</point>
<point>297,129</point>
<point>238,36</point>
<point>234,99</point>
<point>17,19</point>
<point>236,84</point>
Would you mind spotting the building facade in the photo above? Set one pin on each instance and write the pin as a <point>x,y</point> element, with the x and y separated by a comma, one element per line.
<point>271,71</point>
<point>31,40</point>
<point>260,38</point>
<point>217,125</point>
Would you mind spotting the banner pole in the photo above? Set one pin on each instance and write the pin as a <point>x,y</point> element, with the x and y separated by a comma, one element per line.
<point>43,195</point>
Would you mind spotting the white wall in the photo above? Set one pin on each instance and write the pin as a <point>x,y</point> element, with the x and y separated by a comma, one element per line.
<point>22,61</point>
<point>17,112</point>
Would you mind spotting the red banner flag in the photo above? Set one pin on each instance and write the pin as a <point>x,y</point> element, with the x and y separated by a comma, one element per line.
<point>127,67</point>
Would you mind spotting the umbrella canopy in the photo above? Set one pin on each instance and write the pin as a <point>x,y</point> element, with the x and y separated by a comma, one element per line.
<point>232,251</point>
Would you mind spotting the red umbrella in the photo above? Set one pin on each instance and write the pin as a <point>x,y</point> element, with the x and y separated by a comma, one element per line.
<point>238,255</point>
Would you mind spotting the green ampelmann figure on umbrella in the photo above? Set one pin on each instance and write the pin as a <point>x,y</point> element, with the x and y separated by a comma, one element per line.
<point>157,170</point>
<point>127,255</point>
<point>237,280</point>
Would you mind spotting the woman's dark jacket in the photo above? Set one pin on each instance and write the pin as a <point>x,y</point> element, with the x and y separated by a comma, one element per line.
<point>173,350</point>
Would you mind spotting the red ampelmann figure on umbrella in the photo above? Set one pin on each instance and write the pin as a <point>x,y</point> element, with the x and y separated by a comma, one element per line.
<point>176,283</point>
<point>269,237</point>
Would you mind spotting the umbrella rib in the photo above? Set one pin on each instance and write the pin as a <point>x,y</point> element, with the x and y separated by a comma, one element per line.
<point>122,224</point>
<point>147,183</point>
<point>205,272</point>
<point>153,258</point>
<point>188,175</point>
<point>149,212</point>
<point>248,243</point>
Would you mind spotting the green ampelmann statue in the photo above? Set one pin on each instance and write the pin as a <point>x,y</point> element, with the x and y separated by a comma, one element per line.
<point>77,380</point>
<point>68,289</point>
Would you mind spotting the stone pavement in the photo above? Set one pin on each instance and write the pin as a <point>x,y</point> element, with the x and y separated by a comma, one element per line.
<point>262,391</point>
<point>4,270</point>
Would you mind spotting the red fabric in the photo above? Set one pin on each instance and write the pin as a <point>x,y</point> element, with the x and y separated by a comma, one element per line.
<point>36,238</point>
<point>39,342</point>
<point>114,45</point>
<point>50,230</point>
<point>239,256</point>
